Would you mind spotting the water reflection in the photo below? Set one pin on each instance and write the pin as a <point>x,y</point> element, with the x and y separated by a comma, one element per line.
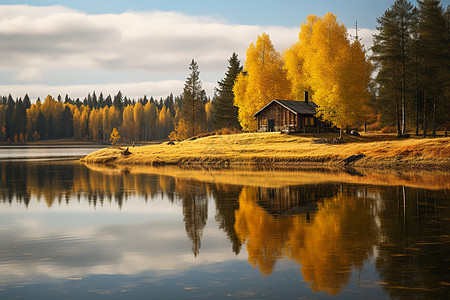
<point>327,242</point>
<point>328,230</point>
<point>413,260</point>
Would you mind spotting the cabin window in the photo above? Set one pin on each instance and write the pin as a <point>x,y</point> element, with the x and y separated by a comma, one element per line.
<point>309,121</point>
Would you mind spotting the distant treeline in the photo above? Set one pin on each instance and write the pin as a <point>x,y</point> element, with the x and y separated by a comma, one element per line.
<point>93,118</point>
<point>189,114</point>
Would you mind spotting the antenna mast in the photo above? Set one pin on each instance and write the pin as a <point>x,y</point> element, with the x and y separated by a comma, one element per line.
<point>356,29</point>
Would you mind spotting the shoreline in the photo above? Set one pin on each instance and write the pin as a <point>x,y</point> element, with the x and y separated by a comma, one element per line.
<point>281,151</point>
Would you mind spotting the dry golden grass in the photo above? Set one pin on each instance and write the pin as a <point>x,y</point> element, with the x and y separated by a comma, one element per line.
<point>284,150</point>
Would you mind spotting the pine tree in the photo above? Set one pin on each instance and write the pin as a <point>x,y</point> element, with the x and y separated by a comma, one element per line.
<point>108,101</point>
<point>41,125</point>
<point>19,123</point>
<point>67,122</point>
<point>434,58</point>
<point>118,101</point>
<point>392,55</point>
<point>224,113</point>
<point>26,101</point>
<point>193,105</point>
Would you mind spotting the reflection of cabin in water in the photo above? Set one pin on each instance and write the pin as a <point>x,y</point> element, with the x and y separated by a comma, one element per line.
<point>290,116</point>
<point>293,200</point>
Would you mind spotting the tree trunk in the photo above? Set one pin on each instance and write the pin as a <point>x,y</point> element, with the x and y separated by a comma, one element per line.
<point>397,111</point>
<point>397,107</point>
<point>434,116</point>
<point>417,105</point>
<point>425,111</point>
<point>403,109</point>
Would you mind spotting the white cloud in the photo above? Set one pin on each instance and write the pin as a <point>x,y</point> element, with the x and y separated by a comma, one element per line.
<point>54,37</point>
<point>29,74</point>
<point>56,48</point>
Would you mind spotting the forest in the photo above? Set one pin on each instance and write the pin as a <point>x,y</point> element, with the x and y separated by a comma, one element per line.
<point>400,85</point>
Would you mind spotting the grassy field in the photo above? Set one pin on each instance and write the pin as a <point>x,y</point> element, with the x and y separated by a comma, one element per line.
<point>275,149</point>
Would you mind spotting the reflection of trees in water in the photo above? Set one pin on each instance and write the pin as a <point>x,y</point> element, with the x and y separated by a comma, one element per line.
<point>195,211</point>
<point>340,235</point>
<point>328,229</point>
<point>410,229</point>
<point>413,255</point>
<point>226,200</point>
<point>65,182</point>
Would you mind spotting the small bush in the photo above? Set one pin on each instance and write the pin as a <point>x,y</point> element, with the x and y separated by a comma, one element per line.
<point>226,131</point>
<point>374,126</point>
<point>389,129</point>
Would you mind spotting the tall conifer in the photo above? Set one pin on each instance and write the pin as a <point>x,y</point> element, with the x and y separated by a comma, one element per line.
<point>391,54</point>
<point>193,105</point>
<point>434,58</point>
<point>225,114</point>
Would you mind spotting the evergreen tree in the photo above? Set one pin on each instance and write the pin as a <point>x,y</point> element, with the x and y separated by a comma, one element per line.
<point>94,100</point>
<point>108,101</point>
<point>193,108</point>
<point>67,123</point>
<point>224,113</point>
<point>19,121</point>
<point>434,59</point>
<point>118,101</point>
<point>415,70</point>
<point>101,101</point>
<point>41,125</point>
<point>391,54</point>
<point>144,100</point>
<point>26,102</point>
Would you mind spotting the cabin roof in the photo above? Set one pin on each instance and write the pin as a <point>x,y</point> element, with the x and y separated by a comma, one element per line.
<point>297,107</point>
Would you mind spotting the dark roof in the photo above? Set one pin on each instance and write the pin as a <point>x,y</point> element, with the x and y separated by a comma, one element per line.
<point>297,107</point>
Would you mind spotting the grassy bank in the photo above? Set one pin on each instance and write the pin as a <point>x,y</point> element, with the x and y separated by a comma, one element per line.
<point>284,150</point>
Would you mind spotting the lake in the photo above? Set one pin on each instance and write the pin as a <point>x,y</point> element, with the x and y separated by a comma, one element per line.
<point>71,231</point>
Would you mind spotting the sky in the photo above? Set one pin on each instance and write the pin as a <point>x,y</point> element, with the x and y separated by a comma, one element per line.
<point>145,47</point>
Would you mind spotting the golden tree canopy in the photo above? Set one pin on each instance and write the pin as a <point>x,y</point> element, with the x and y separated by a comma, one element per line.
<point>263,80</point>
<point>334,70</point>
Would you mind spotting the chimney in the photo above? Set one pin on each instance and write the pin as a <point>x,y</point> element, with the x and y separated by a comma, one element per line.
<point>306,97</point>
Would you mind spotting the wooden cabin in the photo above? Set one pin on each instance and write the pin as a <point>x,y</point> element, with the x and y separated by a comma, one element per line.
<point>290,116</point>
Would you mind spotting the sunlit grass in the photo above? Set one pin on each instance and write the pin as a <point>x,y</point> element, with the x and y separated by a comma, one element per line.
<point>281,149</point>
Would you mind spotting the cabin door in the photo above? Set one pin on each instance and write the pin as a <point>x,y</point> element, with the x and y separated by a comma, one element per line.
<point>271,125</point>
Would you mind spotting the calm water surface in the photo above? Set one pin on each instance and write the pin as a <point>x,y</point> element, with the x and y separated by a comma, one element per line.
<point>70,231</point>
<point>47,152</point>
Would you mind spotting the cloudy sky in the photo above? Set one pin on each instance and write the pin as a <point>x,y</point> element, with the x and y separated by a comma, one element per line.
<point>145,47</point>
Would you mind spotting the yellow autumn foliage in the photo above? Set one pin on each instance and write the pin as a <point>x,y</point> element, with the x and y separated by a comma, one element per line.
<point>334,70</point>
<point>264,79</point>
<point>340,235</point>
